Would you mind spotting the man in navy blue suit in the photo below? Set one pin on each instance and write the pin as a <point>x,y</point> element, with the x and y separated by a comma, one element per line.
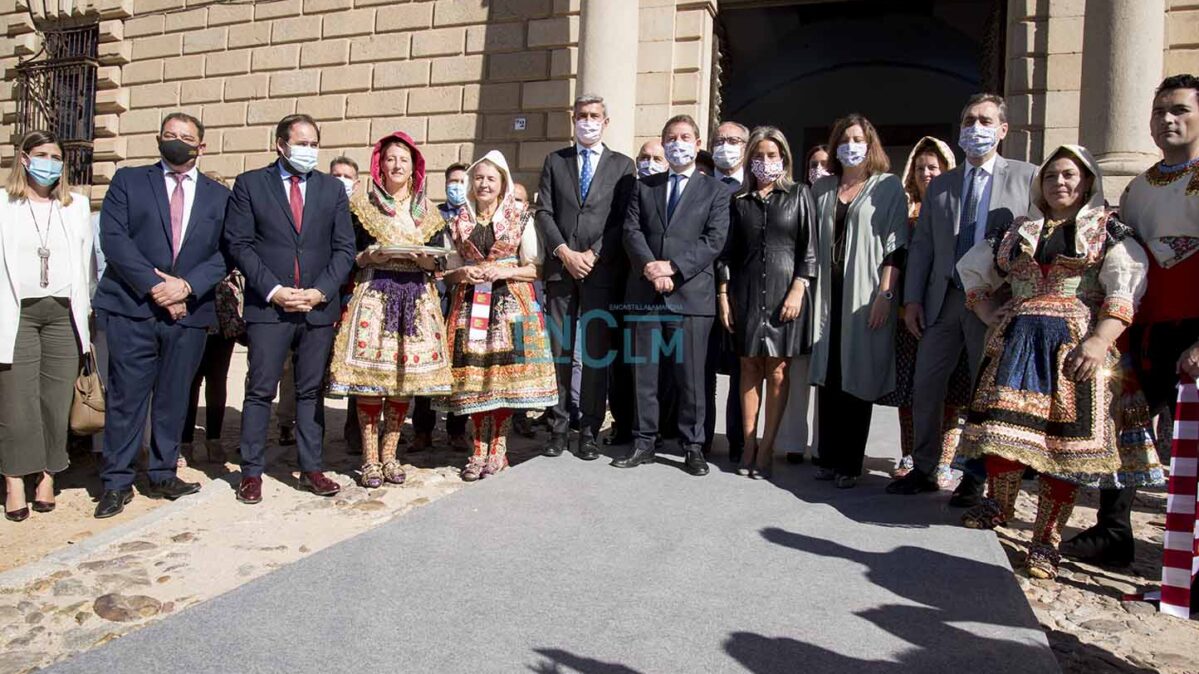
<point>160,230</point>
<point>288,230</point>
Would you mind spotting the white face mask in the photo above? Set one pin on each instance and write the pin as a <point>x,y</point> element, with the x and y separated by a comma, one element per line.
<point>726,156</point>
<point>648,167</point>
<point>348,183</point>
<point>588,131</point>
<point>817,173</point>
<point>302,157</point>
<point>852,154</point>
<point>978,140</point>
<point>680,154</point>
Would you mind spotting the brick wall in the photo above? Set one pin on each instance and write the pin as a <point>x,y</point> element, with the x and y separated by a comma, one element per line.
<point>674,64</point>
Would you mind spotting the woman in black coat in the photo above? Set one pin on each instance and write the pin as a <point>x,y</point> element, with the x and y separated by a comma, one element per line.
<point>768,263</point>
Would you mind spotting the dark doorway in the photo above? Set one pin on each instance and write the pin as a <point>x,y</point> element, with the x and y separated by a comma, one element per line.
<point>907,65</point>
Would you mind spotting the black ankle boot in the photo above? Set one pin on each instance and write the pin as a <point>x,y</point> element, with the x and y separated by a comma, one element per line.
<point>1110,541</point>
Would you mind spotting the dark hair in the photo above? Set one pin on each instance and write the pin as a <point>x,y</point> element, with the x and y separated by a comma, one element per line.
<point>1180,81</point>
<point>283,129</point>
<point>183,117</point>
<point>343,161</point>
<point>456,166</point>
<point>986,98</point>
<point>876,159</point>
<point>807,158</point>
<point>681,119</point>
<point>705,163</point>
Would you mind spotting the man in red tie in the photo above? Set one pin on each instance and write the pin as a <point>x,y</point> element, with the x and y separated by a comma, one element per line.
<point>288,230</point>
<point>160,230</point>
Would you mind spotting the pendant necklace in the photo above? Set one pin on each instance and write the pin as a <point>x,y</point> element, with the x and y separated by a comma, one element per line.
<point>43,251</point>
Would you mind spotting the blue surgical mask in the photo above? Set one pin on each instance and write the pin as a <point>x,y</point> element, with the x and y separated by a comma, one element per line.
<point>978,140</point>
<point>680,153</point>
<point>455,194</point>
<point>852,154</point>
<point>302,157</point>
<point>44,171</point>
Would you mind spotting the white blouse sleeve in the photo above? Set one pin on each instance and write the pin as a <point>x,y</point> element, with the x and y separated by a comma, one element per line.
<point>980,278</point>
<point>530,246</point>
<point>1123,277</point>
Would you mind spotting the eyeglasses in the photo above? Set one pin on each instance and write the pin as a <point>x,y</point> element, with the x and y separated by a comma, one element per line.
<point>730,140</point>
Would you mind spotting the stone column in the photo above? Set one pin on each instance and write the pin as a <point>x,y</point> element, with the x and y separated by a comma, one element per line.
<point>1122,61</point>
<point>608,64</point>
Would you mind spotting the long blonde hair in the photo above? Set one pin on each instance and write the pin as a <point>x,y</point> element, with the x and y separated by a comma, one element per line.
<point>773,134</point>
<point>18,178</point>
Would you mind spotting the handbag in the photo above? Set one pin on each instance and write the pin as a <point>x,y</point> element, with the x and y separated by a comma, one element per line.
<point>87,405</point>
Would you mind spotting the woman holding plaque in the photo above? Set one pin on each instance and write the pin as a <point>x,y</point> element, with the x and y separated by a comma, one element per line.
<point>501,353</point>
<point>391,344</point>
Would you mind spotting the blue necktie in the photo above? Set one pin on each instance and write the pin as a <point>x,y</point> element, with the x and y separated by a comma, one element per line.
<point>967,221</point>
<point>585,175</point>
<point>675,181</point>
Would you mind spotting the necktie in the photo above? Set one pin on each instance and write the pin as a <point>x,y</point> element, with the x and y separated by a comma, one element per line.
<point>676,181</point>
<point>967,221</point>
<point>728,180</point>
<point>297,216</point>
<point>585,175</point>
<point>176,214</point>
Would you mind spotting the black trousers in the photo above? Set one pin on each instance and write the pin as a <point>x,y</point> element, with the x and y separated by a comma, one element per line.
<point>720,356</point>
<point>424,418</point>
<point>574,309</point>
<point>214,372</point>
<point>678,344</point>
<point>844,418</point>
<point>622,388</point>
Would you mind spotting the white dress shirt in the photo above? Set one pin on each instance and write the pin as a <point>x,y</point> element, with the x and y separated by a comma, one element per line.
<point>682,183</point>
<point>26,265</point>
<point>984,200</point>
<point>596,151</point>
<point>189,195</point>
<point>738,175</point>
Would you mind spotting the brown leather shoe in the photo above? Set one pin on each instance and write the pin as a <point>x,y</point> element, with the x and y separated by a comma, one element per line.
<point>250,490</point>
<point>318,484</point>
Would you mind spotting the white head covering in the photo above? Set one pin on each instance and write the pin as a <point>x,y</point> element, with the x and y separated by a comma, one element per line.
<point>1095,198</point>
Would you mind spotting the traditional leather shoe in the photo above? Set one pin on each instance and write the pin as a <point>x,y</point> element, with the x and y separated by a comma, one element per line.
<point>287,436</point>
<point>635,458</point>
<point>112,502</point>
<point>915,482</point>
<point>694,462</point>
<point>318,484</point>
<point>250,490</point>
<point>588,449</point>
<point>968,494</point>
<point>172,489</point>
<point>556,446</point>
<point>1100,545</point>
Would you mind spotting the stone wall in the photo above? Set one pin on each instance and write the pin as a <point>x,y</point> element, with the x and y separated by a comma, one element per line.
<point>674,64</point>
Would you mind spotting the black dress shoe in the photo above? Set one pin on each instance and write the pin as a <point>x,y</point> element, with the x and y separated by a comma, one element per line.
<point>588,449</point>
<point>635,458</point>
<point>968,494</point>
<point>915,482</point>
<point>287,436</point>
<point>172,489</point>
<point>1100,545</point>
<point>112,502</point>
<point>694,462</point>
<point>556,446</point>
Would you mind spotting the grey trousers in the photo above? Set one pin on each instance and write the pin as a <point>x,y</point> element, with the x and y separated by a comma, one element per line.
<point>955,328</point>
<point>36,389</point>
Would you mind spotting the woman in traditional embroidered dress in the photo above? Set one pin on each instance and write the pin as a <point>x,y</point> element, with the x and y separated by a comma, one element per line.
<point>391,344</point>
<point>1052,392</point>
<point>500,350</point>
<point>928,159</point>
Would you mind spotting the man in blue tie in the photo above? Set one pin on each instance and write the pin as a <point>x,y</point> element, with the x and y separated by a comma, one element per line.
<point>674,229</point>
<point>582,199</point>
<point>978,199</point>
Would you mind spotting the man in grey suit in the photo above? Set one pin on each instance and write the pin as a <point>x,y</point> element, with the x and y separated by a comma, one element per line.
<point>582,199</point>
<point>674,229</point>
<point>978,199</point>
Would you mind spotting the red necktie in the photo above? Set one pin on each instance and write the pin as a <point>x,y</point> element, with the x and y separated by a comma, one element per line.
<point>176,214</point>
<point>297,216</point>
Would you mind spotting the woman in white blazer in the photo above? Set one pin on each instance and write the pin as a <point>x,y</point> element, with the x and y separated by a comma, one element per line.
<point>46,275</point>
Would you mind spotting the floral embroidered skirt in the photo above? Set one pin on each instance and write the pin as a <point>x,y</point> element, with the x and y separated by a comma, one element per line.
<point>1092,433</point>
<point>512,367</point>
<point>391,342</point>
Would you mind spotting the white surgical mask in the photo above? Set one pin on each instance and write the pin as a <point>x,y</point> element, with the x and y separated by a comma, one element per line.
<point>680,153</point>
<point>852,154</point>
<point>588,131</point>
<point>348,183</point>
<point>978,140</point>
<point>648,167</point>
<point>302,157</point>
<point>726,155</point>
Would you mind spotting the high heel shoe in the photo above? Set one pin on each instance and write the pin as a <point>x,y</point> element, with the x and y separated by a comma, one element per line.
<point>43,506</point>
<point>17,515</point>
<point>764,472</point>
<point>748,456</point>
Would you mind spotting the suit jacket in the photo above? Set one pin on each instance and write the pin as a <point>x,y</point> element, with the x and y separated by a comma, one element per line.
<point>595,224</point>
<point>263,242</point>
<point>135,235</point>
<point>932,251</point>
<point>691,241</point>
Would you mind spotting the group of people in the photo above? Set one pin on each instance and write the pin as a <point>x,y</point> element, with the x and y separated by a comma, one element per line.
<point>1015,317</point>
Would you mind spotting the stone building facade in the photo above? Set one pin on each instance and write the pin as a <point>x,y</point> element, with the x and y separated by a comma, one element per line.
<point>466,76</point>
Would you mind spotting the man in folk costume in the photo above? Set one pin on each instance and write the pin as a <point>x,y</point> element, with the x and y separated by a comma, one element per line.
<point>1162,207</point>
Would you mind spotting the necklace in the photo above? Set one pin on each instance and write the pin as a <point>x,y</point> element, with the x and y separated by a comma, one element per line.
<point>43,251</point>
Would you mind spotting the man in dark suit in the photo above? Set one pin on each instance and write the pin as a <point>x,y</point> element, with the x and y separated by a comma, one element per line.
<point>160,230</point>
<point>288,229</point>
<point>675,227</point>
<point>582,200</point>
